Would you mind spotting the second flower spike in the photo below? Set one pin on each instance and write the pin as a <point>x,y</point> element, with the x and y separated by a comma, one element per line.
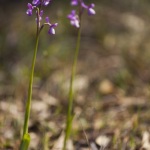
<point>76,18</point>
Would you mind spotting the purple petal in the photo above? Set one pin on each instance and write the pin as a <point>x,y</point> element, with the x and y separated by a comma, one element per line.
<point>29,12</point>
<point>36,2</point>
<point>84,6</point>
<point>74,2</point>
<point>51,31</point>
<point>75,23</point>
<point>92,5</point>
<point>72,15</point>
<point>47,20</point>
<point>91,11</point>
<point>46,2</point>
<point>73,12</point>
<point>30,6</point>
<point>54,25</point>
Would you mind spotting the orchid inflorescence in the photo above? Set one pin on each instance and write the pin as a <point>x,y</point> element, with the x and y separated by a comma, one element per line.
<point>37,4</point>
<point>74,18</point>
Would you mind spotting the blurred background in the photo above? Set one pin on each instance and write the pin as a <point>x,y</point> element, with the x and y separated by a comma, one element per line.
<point>111,87</point>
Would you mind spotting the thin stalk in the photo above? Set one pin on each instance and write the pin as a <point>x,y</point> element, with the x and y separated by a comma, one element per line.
<point>28,103</point>
<point>70,104</point>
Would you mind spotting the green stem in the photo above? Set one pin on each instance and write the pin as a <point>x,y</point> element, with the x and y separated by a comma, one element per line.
<point>70,104</point>
<point>28,103</point>
<point>26,137</point>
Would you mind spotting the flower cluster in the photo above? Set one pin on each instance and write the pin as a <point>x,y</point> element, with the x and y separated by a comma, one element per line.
<point>36,4</point>
<point>74,18</point>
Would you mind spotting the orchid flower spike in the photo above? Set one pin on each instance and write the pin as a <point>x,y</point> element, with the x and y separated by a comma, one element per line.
<point>36,4</point>
<point>74,18</point>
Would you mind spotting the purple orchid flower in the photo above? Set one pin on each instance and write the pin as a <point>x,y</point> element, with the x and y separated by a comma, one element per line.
<point>51,26</point>
<point>30,9</point>
<point>89,8</point>
<point>91,11</point>
<point>74,20</point>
